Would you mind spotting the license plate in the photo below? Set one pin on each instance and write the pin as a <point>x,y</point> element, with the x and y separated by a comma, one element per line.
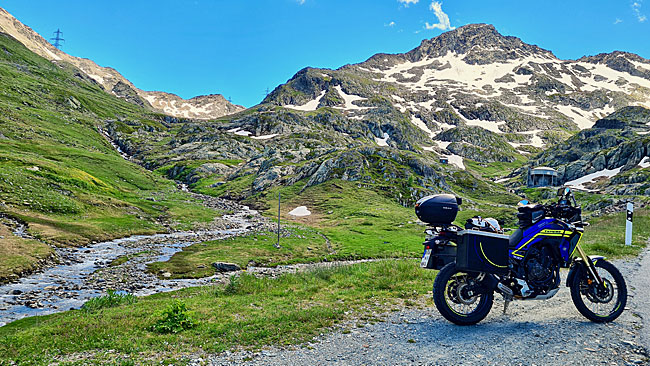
<point>425,258</point>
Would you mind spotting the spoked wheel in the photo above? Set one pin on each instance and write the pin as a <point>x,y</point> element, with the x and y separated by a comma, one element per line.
<point>458,296</point>
<point>600,303</point>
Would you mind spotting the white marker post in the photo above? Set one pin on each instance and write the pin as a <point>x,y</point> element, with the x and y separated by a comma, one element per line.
<point>628,224</point>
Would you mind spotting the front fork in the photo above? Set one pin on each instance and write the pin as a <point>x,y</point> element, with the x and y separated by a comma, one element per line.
<point>591,267</point>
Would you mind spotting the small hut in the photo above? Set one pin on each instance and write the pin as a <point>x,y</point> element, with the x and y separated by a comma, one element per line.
<point>542,176</point>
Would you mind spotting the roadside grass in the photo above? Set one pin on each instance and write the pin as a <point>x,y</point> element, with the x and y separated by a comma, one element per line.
<point>248,313</point>
<point>606,235</point>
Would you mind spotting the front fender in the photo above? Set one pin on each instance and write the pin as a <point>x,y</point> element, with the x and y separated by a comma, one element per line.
<point>576,267</point>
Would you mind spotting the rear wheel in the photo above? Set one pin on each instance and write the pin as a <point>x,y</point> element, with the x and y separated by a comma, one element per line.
<point>599,303</point>
<point>459,296</point>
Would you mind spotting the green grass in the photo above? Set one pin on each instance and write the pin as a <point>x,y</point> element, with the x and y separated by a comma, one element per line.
<point>606,235</point>
<point>358,222</point>
<point>125,258</point>
<point>299,244</point>
<point>19,255</point>
<point>495,169</point>
<point>57,171</point>
<point>250,312</point>
<point>111,299</point>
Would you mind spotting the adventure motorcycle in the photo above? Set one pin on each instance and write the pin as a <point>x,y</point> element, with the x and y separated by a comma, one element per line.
<point>479,260</point>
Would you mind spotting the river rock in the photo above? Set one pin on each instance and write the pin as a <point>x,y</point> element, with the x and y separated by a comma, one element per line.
<point>225,267</point>
<point>16,292</point>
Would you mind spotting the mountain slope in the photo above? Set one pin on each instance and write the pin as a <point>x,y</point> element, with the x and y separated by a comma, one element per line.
<point>613,156</point>
<point>58,172</point>
<point>204,107</point>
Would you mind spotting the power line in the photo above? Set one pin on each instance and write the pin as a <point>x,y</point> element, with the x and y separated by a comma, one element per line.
<point>57,40</point>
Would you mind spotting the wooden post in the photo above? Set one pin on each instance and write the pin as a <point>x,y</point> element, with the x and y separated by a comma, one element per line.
<point>277,245</point>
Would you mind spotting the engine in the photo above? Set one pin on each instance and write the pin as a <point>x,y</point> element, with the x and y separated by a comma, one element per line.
<point>541,270</point>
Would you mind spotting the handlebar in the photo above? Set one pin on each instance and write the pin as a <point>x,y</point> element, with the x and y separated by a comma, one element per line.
<point>568,212</point>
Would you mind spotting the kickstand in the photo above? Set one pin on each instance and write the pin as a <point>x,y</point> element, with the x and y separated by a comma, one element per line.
<point>505,305</point>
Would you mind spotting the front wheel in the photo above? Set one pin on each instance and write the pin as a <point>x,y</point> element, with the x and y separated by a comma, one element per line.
<point>459,296</point>
<point>599,303</point>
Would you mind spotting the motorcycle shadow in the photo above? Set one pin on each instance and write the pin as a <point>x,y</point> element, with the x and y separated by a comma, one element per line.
<point>515,328</point>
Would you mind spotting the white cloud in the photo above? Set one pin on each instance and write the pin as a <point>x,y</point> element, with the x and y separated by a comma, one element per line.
<point>391,24</point>
<point>407,2</point>
<point>636,7</point>
<point>618,21</point>
<point>443,19</point>
<point>300,2</point>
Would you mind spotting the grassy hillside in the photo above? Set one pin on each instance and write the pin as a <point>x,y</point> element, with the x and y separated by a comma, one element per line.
<point>57,171</point>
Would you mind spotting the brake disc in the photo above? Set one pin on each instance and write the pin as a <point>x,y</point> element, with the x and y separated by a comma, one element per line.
<point>466,300</point>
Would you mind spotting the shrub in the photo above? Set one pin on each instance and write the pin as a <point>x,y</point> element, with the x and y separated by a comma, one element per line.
<point>233,286</point>
<point>175,318</point>
<point>109,300</point>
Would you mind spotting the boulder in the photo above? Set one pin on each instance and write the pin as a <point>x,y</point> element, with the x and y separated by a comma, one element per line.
<point>225,267</point>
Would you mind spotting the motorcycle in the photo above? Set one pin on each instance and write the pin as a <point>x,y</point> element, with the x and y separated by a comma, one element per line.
<point>479,260</point>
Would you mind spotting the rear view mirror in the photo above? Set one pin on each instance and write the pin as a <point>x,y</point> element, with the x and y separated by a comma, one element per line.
<point>561,192</point>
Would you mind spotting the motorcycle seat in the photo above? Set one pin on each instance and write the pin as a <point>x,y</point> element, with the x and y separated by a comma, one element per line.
<point>515,238</point>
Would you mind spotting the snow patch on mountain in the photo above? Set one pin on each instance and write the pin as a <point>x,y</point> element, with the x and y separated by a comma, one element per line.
<point>350,99</point>
<point>312,105</point>
<point>590,178</point>
<point>383,141</point>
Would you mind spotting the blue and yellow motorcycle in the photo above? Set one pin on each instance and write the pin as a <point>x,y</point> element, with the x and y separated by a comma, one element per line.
<point>479,260</point>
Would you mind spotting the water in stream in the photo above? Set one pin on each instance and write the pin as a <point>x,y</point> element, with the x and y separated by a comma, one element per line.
<point>67,286</point>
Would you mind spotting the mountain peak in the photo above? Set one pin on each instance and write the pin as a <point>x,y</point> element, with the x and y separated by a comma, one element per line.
<point>481,43</point>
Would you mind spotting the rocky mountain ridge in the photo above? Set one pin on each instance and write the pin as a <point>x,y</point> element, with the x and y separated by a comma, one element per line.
<point>436,118</point>
<point>473,76</point>
<point>202,107</point>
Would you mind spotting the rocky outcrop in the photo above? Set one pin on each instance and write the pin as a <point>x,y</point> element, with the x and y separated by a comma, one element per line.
<point>618,142</point>
<point>471,40</point>
<point>128,93</point>
<point>621,61</point>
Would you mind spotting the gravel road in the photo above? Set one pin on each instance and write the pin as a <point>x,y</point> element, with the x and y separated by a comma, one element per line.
<point>550,332</point>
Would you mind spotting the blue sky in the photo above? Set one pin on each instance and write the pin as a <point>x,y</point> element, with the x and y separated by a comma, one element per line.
<point>239,48</point>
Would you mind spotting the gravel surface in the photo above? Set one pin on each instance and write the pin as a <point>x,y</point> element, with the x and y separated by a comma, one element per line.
<point>550,332</point>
